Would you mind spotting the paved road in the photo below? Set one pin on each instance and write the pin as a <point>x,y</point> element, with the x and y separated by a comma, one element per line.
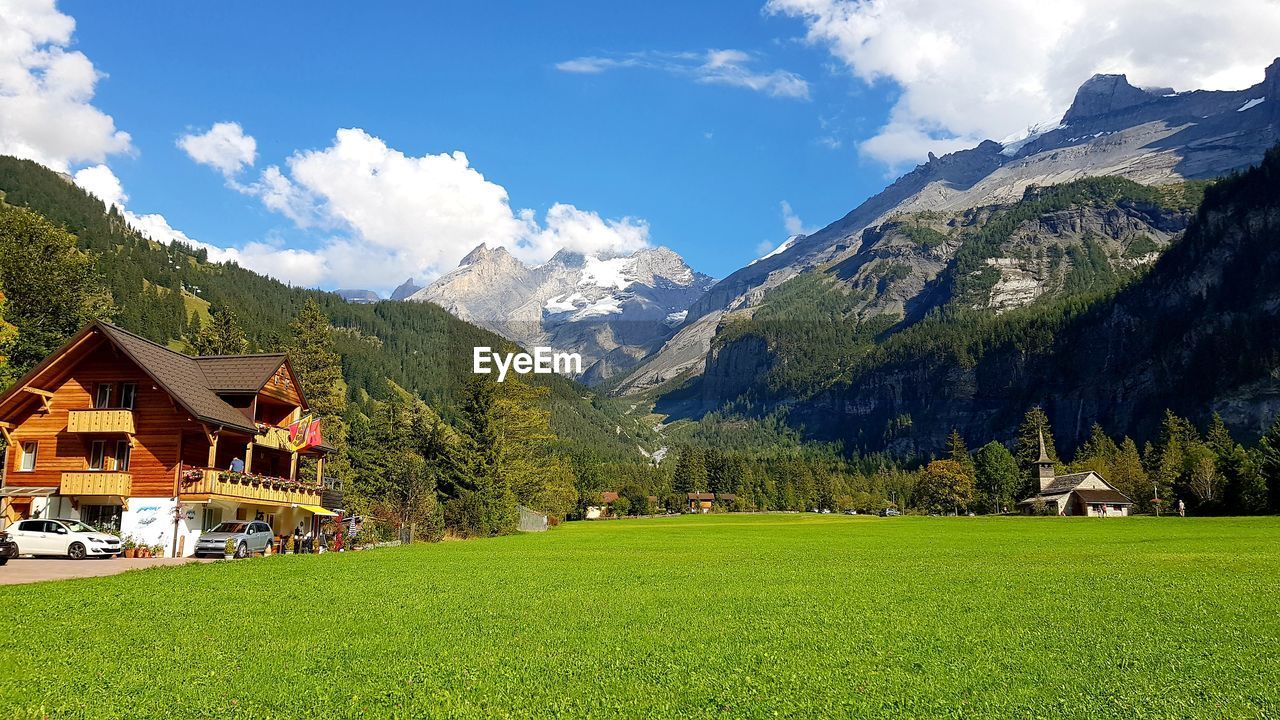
<point>30,570</point>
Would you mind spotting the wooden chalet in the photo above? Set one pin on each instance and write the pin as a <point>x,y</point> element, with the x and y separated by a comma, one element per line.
<point>114,429</point>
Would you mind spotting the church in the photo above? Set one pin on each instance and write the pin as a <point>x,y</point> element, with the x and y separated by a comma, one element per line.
<point>1084,493</point>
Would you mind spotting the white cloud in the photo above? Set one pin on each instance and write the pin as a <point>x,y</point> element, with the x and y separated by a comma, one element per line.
<point>98,180</point>
<point>223,147</point>
<point>45,91</point>
<point>302,267</point>
<point>386,213</point>
<point>989,68</point>
<point>718,67</point>
<point>792,222</point>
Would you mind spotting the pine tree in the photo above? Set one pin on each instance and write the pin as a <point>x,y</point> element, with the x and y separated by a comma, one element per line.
<point>222,336</point>
<point>1269,465</point>
<point>489,508</point>
<point>958,452</point>
<point>319,369</point>
<point>1035,425</point>
<point>691,471</point>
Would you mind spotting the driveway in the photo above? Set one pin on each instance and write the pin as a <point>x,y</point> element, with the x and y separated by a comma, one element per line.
<point>30,570</point>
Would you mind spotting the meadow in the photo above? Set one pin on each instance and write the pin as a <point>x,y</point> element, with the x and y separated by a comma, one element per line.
<point>713,616</point>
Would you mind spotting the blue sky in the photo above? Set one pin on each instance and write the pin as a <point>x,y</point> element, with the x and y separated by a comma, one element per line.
<point>618,125</point>
<point>707,166</point>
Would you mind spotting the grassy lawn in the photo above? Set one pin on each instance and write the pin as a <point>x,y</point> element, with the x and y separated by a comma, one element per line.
<point>724,616</point>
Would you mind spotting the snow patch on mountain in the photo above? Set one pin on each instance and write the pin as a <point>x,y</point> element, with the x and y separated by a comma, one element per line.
<point>1252,103</point>
<point>612,273</point>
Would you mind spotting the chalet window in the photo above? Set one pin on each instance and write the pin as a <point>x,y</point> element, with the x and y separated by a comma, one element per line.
<point>97,452</point>
<point>28,462</point>
<point>101,515</point>
<point>103,398</point>
<point>123,450</point>
<point>127,393</point>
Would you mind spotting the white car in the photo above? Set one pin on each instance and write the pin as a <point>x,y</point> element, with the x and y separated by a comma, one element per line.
<point>71,538</point>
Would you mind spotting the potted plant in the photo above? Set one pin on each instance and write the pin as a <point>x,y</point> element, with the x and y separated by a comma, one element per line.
<point>229,550</point>
<point>130,547</point>
<point>157,550</point>
<point>288,545</point>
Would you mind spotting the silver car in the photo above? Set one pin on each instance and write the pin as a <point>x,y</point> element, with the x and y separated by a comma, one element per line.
<point>248,536</point>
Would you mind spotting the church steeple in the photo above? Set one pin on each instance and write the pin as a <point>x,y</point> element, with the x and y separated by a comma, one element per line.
<point>1044,465</point>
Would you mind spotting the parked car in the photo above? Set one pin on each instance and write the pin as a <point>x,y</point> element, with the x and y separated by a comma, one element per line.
<point>889,512</point>
<point>63,536</point>
<point>8,548</point>
<point>249,536</point>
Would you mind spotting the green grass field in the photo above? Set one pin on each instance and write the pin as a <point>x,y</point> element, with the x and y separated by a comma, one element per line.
<point>721,616</point>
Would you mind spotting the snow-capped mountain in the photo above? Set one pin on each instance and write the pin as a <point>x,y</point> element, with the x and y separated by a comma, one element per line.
<point>615,311</point>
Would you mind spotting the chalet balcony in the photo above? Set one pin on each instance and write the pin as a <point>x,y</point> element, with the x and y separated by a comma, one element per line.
<point>275,437</point>
<point>247,487</point>
<point>104,421</point>
<point>95,482</point>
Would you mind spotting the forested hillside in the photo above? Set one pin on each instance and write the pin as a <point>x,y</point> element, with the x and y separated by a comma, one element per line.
<point>1194,334</point>
<point>167,293</point>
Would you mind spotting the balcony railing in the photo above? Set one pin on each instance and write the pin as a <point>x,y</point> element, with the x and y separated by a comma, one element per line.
<point>101,421</point>
<point>93,482</point>
<point>243,486</point>
<point>274,437</point>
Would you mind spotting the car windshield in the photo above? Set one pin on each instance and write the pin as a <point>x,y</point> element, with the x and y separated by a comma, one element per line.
<point>230,527</point>
<point>77,526</point>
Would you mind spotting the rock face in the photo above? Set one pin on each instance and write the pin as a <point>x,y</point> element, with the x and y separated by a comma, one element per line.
<point>1105,94</point>
<point>1194,335</point>
<point>613,310</point>
<point>1112,128</point>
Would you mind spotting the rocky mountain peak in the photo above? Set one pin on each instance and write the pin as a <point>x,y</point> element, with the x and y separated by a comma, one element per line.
<point>1102,95</point>
<point>567,258</point>
<point>1271,80</point>
<point>482,254</point>
<point>405,289</point>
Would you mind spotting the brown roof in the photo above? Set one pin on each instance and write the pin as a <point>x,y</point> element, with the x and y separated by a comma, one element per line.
<point>1112,497</point>
<point>179,375</point>
<point>239,373</point>
<point>608,496</point>
<point>702,496</point>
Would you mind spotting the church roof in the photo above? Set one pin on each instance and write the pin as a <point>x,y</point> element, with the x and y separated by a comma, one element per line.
<point>1114,497</point>
<point>1044,454</point>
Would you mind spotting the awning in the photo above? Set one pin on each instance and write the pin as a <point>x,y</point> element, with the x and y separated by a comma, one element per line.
<point>15,491</point>
<point>317,510</point>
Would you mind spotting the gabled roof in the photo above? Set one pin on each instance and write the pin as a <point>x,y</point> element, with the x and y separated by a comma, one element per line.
<point>239,373</point>
<point>1114,497</point>
<point>192,382</point>
<point>1067,483</point>
<point>179,375</point>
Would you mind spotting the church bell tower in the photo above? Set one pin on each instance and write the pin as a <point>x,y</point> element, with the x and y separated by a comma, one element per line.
<point>1044,466</point>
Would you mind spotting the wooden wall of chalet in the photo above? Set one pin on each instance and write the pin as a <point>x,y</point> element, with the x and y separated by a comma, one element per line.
<point>157,421</point>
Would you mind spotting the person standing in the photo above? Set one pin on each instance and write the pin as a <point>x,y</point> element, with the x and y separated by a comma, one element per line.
<point>1182,508</point>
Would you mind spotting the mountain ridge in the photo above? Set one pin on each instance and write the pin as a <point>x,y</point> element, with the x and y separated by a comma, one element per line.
<point>1113,129</point>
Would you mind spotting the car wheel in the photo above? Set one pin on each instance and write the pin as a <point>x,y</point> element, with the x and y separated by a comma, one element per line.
<point>242,550</point>
<point>76,551</point>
